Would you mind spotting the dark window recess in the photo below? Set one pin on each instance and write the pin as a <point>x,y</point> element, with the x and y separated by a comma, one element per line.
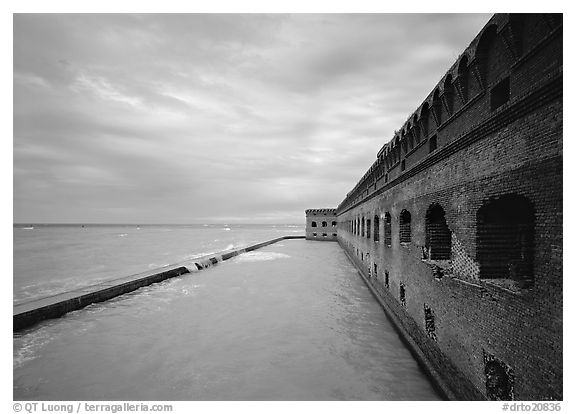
<point>499,379</point>
<point>433,143</point>
<point>362,256</point>
<point>375,271</point>
<point>388,229</point>
<point>429,322</point>
<point>376,228</point>
<point>405,229</point>
<point>324,224</point>
<point>403,165</point>
<point>386,279</point>
<point>500,94</point>
<point>402,294</point>
<point>315,234</point>
<point>386,177</point>
<point>367,228</point>
<point>505,239</point>
<point>438,236</point>
<point>313,224</point>
<point>334,234</point>
<point>333,224</point>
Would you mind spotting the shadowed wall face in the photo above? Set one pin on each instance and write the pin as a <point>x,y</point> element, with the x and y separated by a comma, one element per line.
<point>321,224</point>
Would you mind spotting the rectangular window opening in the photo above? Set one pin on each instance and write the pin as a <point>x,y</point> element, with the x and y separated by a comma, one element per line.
<point>500,94</point>
<point>433,143</point>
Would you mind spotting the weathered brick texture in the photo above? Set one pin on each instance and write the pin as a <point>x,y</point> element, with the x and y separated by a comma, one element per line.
<point>490,323</point>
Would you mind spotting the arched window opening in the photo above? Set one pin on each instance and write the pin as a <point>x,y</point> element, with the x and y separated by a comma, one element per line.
<point>449,94</point>
<point>405,229</point>
<point>437,107</point>
<point>324,224</point>
<point>388,229</point>
<point>424,119</point>
<point>505,239</point>
<point>416,129</point>
<point>376,228</point>
<point>495,54</point>
<point>363,229</point>
<point>314,224</point>
<point>367,228</point>
<point>438,235</point>
<point>333,224</point>
<point>463,79</point>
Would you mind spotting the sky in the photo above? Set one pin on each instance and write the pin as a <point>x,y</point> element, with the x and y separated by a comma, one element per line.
<point>213,118</point>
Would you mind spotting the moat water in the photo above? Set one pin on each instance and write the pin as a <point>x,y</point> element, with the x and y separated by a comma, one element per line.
<point>292,321</point>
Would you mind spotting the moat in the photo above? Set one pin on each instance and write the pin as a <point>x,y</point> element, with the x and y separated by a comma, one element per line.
<point>292,321</point>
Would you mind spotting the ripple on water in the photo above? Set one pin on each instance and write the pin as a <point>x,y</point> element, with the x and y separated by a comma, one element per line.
<point>260,256</point>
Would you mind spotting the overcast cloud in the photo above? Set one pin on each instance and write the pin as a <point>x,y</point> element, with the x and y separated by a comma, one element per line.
<point>213,118</point>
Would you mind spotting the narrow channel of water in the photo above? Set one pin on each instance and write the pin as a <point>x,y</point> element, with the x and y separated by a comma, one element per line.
<point>292,321</point>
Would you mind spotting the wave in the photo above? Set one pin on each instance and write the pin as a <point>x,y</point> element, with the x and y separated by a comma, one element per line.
<point>42,289</point>
<point>260,257</point>
<point>123,235</point>
<point>155,265</point>
<point>30,343</point>
<point>26,228</point>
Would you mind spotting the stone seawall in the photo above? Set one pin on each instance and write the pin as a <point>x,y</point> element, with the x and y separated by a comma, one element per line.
<point>31,312</point>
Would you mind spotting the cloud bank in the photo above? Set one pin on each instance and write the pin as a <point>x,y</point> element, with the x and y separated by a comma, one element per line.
<point>212,118</point>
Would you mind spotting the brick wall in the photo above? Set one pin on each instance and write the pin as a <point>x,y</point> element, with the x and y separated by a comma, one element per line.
<point>321,224</point>
<point>495,336</point>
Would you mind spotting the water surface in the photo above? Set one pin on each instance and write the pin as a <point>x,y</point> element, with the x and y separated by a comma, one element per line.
<point>292,321</point>
<point>52,259</point>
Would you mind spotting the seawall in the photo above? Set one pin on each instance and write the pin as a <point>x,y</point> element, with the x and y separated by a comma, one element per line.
<point>31,312</point>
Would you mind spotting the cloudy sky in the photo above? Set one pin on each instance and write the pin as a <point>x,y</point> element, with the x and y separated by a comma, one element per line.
<point>213,118</point>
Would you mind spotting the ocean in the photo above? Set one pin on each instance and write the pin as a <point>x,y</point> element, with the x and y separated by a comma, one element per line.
<point>291,321</point>
<point>51,259</point>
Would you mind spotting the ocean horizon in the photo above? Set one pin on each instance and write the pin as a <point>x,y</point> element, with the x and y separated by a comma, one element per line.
<point>53,258</point>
